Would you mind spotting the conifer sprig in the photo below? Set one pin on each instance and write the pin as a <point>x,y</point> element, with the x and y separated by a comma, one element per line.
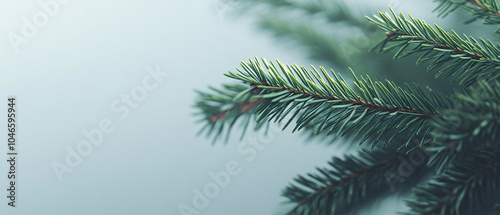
<point>475,118</point>
<point>473,122</point>
<point>346,182</point>
<point>489,10</point>
<point>222,109</point>
<point>466,59</point>
<point>325,100</point>
<point>462,188</point>
<point>459,132</point>
<point>378,110</point>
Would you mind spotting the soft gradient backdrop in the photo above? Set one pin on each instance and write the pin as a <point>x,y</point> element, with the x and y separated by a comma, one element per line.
<point>90,53</point>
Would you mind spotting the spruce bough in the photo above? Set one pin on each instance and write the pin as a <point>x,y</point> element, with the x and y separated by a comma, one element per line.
<point>453,136</point>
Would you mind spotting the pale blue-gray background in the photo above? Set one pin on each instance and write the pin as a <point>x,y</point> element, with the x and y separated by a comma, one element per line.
<point>66,77</point>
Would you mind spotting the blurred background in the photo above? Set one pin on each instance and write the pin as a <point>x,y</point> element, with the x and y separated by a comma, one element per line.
<point>134,66</point>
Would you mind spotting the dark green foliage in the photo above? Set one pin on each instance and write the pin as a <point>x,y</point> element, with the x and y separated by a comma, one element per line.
<point>475,117</point>
<point>343,42</point>
<point>347,181</point>
<point>378,110</point>
<point>488,10</point>
<point>466,59</point>
<point>462,188</point>
<point>221,110</point>
<point>473,122</point>
<point>454,133</point>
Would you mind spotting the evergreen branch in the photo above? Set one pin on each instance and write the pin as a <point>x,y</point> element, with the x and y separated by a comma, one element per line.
<point>473,122</point>
<point>490,6</point>
<point>481,8</point>
<point>349,181</point>
<point>475,117</point>
<point>222,110</point>
<point>462,188</point>
<point>460,132</point>
<point>466,59</point>
<point>330,104</point>
<point>488,10</point>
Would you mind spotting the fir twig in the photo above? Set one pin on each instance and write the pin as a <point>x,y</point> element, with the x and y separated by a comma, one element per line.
<point>462,188</point>
<point>488,10</point>
<point>379,109</point>
<point>347,182</point>
<point>473,122</point>
<point>466,59</point>
<point>223,108</point>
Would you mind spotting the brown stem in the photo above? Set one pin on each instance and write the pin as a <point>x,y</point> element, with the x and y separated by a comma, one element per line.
<point>360,102</point>
<point>475,56</point>
<point>245,106</point>
<point>484,7</point>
